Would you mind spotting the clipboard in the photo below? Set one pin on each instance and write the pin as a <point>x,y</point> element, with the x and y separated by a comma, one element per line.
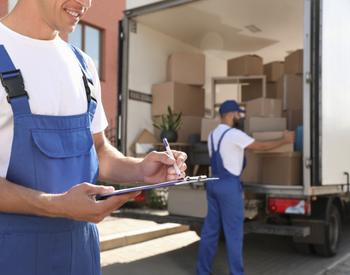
<point>186,180</point>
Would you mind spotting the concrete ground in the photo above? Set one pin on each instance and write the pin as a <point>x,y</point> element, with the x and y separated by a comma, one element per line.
<point>171,249</point>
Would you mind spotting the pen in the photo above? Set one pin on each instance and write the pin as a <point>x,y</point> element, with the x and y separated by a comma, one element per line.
<point>167,147</point>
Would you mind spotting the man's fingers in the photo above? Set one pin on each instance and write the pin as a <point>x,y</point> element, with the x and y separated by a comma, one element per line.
<point>113,202</point>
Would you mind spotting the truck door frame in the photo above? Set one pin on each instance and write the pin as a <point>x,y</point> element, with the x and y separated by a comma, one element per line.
<point>122,98</point>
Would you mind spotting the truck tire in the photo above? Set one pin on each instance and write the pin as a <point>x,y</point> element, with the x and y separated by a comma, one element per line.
<point>332,235</point>
<point>304,248</point>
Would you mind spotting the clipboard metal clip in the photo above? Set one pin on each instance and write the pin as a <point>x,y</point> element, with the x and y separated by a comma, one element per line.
<point>195,178</point>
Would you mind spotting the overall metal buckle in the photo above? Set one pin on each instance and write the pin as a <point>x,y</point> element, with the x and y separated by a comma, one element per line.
<point>89,88</point>
<point>14,86</point>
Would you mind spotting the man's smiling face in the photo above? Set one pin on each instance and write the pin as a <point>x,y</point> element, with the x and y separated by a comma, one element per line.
<point>63,15</point>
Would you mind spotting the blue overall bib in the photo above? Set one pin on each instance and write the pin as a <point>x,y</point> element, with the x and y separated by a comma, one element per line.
<point>225,210</point>
<point>49,154</point>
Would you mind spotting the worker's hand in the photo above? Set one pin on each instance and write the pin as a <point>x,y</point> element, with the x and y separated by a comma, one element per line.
<point>158,166</point>
<point>79,203</point>
<point>289,137</point>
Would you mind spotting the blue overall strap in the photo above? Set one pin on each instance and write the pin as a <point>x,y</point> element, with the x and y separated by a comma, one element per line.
<point>12,80</point>
<point>212,141</point>
<point>215,159</point>
<point>90,91</point>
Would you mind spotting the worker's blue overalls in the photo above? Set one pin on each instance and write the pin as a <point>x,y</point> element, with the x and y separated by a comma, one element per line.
<point>225,210</point>
<point>49,154</point>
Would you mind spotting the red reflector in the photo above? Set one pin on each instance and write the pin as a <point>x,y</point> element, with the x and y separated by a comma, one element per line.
<point>289,206</point>
<point>141,197</point>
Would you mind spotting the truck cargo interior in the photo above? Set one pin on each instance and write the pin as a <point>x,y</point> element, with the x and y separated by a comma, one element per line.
<point>221,31</point>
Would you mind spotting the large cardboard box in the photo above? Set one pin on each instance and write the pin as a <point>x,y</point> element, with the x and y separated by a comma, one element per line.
<point>208,125</point>
<point>144,137</point>
<point>265,107</point>
<point>273,71</point>
<point>271,90</point>
<point>263,136</point>
<point>187,68</point>
<point>264,124</point>
<point>185,201</point>
<point>290,91</point>
<point>294,118</point>
<point>245,65</point>
<point>191,125</point>
<point>282,168</point>
<point>293,63</point>
<point>253,172</point>
<point>254,90</point>
<point>180,97</point>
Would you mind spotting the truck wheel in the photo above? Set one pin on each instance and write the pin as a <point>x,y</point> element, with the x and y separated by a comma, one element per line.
<point>332,235</point>
<point>304,248</point>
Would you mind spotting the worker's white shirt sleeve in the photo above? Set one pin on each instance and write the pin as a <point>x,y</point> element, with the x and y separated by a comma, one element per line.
<point>232,147</point>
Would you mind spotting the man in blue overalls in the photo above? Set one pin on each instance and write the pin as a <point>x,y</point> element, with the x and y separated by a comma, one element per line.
<point>226,146</point>
<point>53,147</point>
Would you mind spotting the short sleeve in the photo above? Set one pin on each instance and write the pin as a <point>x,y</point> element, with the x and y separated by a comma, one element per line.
<point>99,123</point>
<point>241,139</point>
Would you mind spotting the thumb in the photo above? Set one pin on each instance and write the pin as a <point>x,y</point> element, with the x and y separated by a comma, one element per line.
<point>162,157</point>
<point>101,190</point>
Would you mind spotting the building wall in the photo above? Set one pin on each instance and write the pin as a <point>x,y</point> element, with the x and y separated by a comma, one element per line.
<point>104,15</point>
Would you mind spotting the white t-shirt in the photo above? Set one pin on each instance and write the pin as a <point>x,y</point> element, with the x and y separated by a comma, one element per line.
<point>50,71</point>
<point>232,147</point>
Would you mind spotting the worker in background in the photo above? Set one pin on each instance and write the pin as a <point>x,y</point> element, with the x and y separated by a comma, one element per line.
<point>226,146</point>
<point>53,146</point>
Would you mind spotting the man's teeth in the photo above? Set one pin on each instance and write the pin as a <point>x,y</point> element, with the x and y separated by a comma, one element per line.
<point>72,13</point>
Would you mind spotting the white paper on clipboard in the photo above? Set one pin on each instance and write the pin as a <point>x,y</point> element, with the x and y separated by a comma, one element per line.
<point>187,180</point>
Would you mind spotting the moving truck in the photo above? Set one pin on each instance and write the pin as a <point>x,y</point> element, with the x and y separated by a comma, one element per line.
<point>311,210</point>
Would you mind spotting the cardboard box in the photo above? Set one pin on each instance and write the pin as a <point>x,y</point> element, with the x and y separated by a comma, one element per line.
<point>264,107</point>
<point>273,71</point>
<point>293,63</point>
<point>187,68</point>
<point>271,90</point>
<point>144,137</point>
<point>294,118</point>
<point>254,90</point>
<point>282,168</point>
<point>245,65</point>
<point>208,125</point>
<point>264,124</point>
<point>191,125</point>
<point>180,97</point>
<point>185,201</point>
<point>253,172</point>
<point>290,91</point>
<point>263,136</point>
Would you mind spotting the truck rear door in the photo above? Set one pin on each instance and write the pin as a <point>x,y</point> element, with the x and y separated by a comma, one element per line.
<point>330,91</point>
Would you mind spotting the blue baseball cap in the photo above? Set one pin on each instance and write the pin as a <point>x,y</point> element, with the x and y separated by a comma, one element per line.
<point>230,106</point>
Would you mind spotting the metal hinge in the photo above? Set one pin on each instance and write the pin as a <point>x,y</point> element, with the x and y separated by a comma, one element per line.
<point>308,163</point>
<point>308,78</point>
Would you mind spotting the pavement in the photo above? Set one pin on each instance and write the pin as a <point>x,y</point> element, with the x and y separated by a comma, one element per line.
<point>118,232</point>
<point>131,246</point>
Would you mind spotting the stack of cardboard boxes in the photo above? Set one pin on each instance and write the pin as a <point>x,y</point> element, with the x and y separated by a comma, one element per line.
<point>279,166</point>
<point>182,92</point>
<point>290,89</point>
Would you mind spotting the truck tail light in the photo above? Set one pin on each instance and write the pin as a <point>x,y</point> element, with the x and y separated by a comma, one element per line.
<point>141,197</point>
<point>289,206</point>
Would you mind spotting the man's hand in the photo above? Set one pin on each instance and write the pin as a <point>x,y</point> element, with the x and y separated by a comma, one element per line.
<point>79,203</point>
<point>158,166</point>
<point>289,137</point>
